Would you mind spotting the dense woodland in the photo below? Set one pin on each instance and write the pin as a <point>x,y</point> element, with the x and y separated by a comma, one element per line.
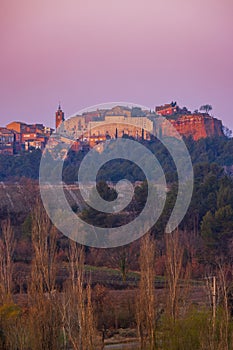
<point>210,150</point>
<point>164,291</point>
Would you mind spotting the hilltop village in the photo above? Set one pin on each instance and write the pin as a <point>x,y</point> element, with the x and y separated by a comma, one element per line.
<point>93,127</point>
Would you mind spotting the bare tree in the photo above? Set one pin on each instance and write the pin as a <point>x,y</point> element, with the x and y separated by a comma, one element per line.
<point>44,317</point>
<point>145,303</point>
<point>219,283</point>
<point>7,246</point>
<point>76,304</point>
<point>44,238</point>
<point>224,277</point>
<point>173,262</point>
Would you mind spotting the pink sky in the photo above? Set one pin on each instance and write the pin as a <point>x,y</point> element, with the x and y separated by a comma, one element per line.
<point>84,52</point>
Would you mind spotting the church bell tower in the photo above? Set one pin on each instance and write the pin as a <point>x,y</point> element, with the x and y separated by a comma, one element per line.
<point>59,117</point>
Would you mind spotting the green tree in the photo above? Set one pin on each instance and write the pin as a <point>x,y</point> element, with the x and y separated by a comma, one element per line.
<point>207,108</point>
<point>217,229</point>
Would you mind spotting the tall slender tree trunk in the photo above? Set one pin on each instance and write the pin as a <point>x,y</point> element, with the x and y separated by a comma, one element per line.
<point>7,246</point>
<point>76,305</point>
<point>173,262</point>
<point>145,303</point>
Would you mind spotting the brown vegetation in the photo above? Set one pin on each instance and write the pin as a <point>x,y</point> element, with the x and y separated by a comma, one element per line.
<point>79,312</point>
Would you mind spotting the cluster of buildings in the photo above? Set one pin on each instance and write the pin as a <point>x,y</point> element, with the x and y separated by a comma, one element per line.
<point>106,123</point>
<point>94,127</point>
<point>17,137</point>
<point>171,109</point>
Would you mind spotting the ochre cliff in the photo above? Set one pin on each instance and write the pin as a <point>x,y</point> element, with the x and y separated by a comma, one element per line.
<point>196,125</point>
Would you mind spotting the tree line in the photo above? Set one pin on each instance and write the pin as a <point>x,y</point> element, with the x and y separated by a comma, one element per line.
<point>217,150</point>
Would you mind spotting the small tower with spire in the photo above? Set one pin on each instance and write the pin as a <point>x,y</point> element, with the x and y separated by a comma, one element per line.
<point>59,116</point>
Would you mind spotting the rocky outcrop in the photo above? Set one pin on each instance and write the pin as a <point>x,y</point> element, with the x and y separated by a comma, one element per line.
<point>196,125</point>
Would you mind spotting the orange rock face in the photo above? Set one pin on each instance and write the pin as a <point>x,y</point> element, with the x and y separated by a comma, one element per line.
<point>196,125</point>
